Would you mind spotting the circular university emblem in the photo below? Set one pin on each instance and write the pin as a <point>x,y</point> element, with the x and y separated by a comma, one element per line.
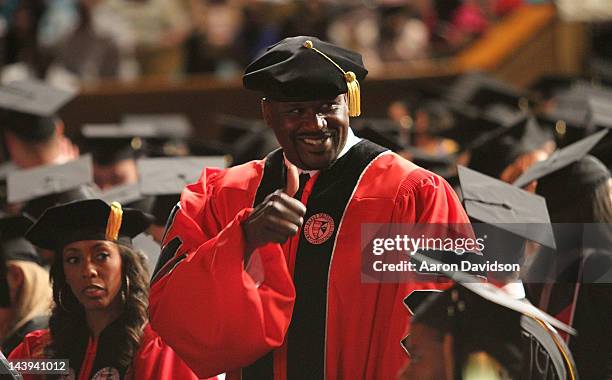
<point>318,228</point>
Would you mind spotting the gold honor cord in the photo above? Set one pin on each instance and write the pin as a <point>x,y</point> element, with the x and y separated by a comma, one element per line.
<point>114,221</point>
<point>352,84</point>
<point>555,339</point>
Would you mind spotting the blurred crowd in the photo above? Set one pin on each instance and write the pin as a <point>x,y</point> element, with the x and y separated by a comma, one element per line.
<point>85,41</point>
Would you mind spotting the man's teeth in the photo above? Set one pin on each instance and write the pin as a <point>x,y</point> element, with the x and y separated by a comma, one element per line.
<point>315,141</point>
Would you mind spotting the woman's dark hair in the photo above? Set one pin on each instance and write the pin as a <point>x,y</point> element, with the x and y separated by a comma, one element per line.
<point>68,325</point>
<point>578,200</point>
<point>593,205</point>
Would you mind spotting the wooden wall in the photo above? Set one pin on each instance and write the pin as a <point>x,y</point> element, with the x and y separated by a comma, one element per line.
<point>525,45</point>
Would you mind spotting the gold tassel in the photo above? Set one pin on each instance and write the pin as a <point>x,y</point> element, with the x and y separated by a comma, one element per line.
<point>352,84</point>
<point>114,221</point>
<point>354,94</point>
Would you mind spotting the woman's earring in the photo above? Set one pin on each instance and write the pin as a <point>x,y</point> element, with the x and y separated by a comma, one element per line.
<point>126,293</point>
<point>61,300</point>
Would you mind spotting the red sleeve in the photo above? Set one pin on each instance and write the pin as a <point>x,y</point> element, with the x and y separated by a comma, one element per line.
<point>207,308</point>
<point>156,360</point>
<point>31,348</point>
<point>427,198</point>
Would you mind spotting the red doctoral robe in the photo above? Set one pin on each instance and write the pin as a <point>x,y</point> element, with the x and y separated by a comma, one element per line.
<point>206,306</point>
<point>154,359</point>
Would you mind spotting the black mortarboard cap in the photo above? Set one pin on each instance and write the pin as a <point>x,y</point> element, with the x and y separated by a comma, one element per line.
<point>483,317</point>
<point>492,152</point>
<point>91,219</point>
<point>382,132</point>
<point>30,106</point>
<point>126,194</point>
<point>386,133</point>
<point>36,207</point>
<point>571,114</point>
<point>170,132</point>
<point>548,86</point>
<point>470,126</point>
<point>243,139</point>
<point>169,175</point>
<point>13,244</point>
<point>129,195</point>
<point>482,90</point>
<point>28,184</point>
<point>440,164</point>
<point>499,204</point>
<point>165,178</point>
<point>45,186</point>
<point>600,112</point>
<point>560,159</point>
<point>305,68</point>
<point>110,143</point>
<point>570,183</point>
<point>168,126</point>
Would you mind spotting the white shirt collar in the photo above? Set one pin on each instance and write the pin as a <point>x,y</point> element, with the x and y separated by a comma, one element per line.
<point>351,141</point>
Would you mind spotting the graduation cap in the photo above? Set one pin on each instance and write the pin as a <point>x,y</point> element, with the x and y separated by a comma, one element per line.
<point>576,112</point>
<point>599,107</point>
<point>441,164</point>
<point>14,246</point>
<point>45,186</point>
<point>125,194</point>
<point>470,126</point>
<point>165,178</point>
<point>243,139</point>
<point>91,219</point>
<point>481,90</point>
<point>305,68</point>
<point>110,143</point>
<point>484,318</point>
<point>560,159</point>
<point>170,132</point>
<point>30,106</point>
<point>548,86</point>
<point>505,207</point>
<point>382,132</point>
<point>492,152</point>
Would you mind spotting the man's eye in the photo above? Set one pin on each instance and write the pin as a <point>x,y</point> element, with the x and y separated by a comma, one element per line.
<point>330,107</point>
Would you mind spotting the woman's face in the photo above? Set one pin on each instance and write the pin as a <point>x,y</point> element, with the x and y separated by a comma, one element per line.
<point>93,273</point>
<point>430,354</point>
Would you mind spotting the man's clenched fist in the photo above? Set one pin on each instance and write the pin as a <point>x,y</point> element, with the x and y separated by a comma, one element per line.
<point>276,219</point>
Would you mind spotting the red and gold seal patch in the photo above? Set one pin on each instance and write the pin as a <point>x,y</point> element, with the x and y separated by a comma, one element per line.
<point>318,228</point>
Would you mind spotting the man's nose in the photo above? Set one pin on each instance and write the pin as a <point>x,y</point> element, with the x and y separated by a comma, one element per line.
<point>317,121</point>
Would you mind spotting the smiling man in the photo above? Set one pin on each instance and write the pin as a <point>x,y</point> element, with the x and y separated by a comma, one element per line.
<point>300,310</point>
